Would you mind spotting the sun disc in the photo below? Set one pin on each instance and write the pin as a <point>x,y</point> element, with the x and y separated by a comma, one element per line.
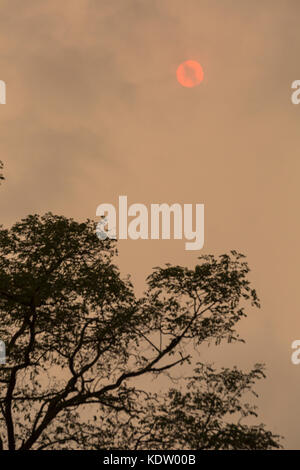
<point>190,73</point>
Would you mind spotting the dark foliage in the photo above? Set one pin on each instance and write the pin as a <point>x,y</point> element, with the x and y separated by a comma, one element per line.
<point>79,341</point>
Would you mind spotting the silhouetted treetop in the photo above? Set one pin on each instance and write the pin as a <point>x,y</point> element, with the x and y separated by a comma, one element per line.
<point>79,341</point>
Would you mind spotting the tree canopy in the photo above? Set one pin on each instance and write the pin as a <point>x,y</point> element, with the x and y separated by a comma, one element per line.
<point>79,341</point>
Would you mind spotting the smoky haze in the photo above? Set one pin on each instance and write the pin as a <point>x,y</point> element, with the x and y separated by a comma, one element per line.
<point>94,111</point>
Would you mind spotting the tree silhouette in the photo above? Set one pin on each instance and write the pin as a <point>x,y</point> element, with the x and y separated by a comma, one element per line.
<point>79,341</point>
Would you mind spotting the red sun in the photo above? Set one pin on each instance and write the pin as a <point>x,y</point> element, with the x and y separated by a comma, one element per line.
<point>189,73</point>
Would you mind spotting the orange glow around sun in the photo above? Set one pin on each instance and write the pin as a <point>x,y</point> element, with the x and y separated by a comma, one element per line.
<point>189,73</point>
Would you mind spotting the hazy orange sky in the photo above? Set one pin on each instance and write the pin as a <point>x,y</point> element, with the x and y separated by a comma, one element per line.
<point>94,111</point>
